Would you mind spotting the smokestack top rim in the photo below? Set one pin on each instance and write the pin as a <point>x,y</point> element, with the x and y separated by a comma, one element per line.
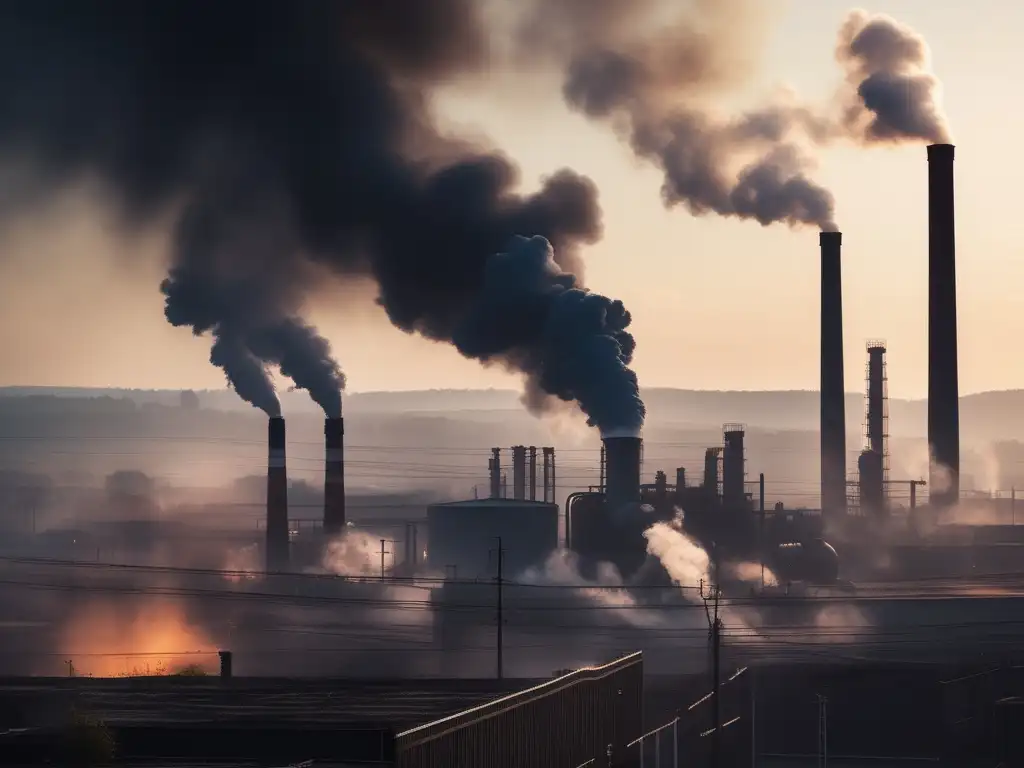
<point>941,151</point>
<point>620,433</point>
<point>830,238</point>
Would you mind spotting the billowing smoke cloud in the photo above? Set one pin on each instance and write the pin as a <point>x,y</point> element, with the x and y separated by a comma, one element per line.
<point>574,344</point>
<point>888,64</point>
<point>648,68</point>
<point>652,68</point>
<point>298,134</point>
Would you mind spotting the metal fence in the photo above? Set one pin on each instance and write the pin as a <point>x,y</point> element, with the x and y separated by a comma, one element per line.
<point>587,717</point>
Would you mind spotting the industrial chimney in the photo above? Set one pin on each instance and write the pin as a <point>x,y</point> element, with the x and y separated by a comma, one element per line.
<point>943,376</point>
<point>833,389</point>
<point>872,461</point>
<point>622,469</point>
<point>733,468</point>
<point>277,544</point>
<point>334,476</point>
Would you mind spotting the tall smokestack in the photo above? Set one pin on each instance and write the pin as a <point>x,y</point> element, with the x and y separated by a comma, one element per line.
<point>277,544</point>
<point>334,476</point>
<point>943,375</point>
<point>622,468</point>
<point>833,388</point>
<point>733,467</point>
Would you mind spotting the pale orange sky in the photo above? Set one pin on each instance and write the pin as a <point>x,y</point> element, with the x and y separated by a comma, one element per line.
<point>717,304</point>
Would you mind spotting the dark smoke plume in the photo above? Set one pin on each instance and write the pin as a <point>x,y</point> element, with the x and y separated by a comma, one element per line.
<point>887,64</point>
<point>573,343</point>
<point>648,68</point>
<point>291,133</point>
<point>652,68</point>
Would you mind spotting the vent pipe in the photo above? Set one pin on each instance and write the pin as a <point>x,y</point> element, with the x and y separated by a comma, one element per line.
<point>533,473</point>
<point>519,472</point>
<point>943,374</point>
<point>833,388</point>
<point>277,545</point>
<point>334,476</point>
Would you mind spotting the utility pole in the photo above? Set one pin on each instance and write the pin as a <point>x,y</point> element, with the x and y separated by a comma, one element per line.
<point>501,612</point>
<point>382,553</point>
<point>715,637</point>
<point>822,731</point>
<point>760,510</point>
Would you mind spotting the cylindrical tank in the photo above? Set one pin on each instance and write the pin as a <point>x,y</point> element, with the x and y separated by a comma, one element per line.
<point>464,536</point>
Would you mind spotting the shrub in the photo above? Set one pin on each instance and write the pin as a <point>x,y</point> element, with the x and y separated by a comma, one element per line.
<point>192,670</point>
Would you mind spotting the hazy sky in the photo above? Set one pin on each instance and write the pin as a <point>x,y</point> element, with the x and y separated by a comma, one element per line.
<point>717,304</point>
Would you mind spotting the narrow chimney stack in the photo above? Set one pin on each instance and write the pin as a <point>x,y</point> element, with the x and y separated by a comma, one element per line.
<point>833,387</point>
<point>334,476</point>
<point>622,469</point>
<point>277,543</point>
<point>943,374</point>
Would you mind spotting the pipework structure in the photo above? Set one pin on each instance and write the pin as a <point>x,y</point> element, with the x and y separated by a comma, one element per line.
<point>524,474</point>
<point>943,373</point>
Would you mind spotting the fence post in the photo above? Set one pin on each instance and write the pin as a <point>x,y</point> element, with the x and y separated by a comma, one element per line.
<point>675,743</point>
<point>657,750</point>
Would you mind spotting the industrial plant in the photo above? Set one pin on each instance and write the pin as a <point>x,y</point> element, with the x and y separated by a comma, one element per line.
<point>624,581</point>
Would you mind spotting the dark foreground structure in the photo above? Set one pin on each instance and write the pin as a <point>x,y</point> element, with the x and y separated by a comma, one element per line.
<point>561,722</point>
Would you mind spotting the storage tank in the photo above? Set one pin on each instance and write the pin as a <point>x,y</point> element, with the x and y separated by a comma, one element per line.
<point>463,536</point>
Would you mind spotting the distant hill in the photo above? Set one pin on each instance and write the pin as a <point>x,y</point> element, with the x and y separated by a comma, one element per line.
<point>440,440</point>
<point>984,416</point>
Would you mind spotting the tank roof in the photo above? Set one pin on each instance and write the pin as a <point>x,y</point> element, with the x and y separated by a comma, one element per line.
<point>495,503</point>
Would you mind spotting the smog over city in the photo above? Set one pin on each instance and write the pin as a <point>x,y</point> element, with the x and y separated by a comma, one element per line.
<point>369,364</point>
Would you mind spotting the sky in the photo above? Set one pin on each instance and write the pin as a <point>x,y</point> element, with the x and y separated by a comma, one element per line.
<point>716,304</point>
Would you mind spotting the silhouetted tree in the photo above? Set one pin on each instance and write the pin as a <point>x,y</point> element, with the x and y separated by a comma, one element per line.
<point>189,400</point>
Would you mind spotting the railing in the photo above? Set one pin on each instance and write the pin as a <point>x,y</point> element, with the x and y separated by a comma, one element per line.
<point>586,706</point>
<point>656,733</point>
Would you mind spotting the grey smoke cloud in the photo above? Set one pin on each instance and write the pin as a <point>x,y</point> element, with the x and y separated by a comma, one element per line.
<point>887,65</point>
<point>652,70</point>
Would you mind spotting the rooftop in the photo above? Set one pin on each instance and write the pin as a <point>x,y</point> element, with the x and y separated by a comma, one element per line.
<point>309,703</point>
<point>495,503</point>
